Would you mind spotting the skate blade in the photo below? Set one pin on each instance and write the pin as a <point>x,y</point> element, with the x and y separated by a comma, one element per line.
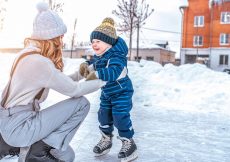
<point>103,153</point>
<point>130,158</point>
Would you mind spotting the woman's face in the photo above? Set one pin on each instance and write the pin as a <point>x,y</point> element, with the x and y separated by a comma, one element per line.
<point>61,40</point>
<point>99,46</point>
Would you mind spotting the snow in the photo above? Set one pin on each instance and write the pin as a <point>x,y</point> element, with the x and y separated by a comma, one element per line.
<point>145,45</point>
<point>180,113</point>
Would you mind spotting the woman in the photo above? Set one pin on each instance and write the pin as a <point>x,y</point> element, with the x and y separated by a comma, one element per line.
<point>37,69</point>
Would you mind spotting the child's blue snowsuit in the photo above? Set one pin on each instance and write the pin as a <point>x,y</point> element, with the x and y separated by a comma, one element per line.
<point>116,95</point>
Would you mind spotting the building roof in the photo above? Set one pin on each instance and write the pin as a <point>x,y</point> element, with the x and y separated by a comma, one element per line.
<point>146,45</point>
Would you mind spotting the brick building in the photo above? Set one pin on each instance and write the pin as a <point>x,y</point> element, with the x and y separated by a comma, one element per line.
<point>206,33</point>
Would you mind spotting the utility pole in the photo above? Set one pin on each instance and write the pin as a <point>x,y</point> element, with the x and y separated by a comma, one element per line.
<point>138,27</point>
<point>198,41</point>
<point>210,35</point>
<point>130,39</point>
<point>73,38</point>
<point>181,8</point>
<point>51,4</point>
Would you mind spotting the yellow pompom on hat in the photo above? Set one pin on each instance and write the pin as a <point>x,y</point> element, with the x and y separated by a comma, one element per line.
<point>105,32</point>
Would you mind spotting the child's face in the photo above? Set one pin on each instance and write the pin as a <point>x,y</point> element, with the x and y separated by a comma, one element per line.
<point>99,46</point>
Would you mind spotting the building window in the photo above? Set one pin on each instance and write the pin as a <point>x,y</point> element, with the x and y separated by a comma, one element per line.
<point>198,21</point>
<point>224,39</point>
<point>150,58</point>
<point>139,58</point>
<point>84,57</point>
<point>197,40</point>
<point>223,60</point>
<point>225,17</point>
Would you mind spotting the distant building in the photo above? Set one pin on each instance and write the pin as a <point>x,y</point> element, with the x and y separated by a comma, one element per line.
<point>151,52</point>
<point>206,33</point>
<point>158,52</point>
<point>79,52</point>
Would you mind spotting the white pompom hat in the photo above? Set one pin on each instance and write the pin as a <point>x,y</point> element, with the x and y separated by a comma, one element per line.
<point>47,24</point>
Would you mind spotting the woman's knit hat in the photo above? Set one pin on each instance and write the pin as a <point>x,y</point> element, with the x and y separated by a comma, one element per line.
<point>106,32</point>
<point>47,24</point>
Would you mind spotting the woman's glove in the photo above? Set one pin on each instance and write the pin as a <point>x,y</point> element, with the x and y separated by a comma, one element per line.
<point>83,69</point>
<point>91,76</point>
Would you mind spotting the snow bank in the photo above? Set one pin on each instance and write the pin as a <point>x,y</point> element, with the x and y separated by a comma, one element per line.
<point>190,87</point>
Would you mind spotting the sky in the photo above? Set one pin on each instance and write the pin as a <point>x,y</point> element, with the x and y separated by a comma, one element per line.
<point>89,14</point>
<point>180,113</point>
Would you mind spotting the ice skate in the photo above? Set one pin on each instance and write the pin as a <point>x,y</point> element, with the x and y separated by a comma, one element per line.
<point>40,152</point>
<point>6,149</point>
<point>104,145</point>
<point>128,150</point>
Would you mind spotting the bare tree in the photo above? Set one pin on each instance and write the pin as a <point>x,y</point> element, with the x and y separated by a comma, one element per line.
<point>2,13</point>
<point>56,5</point>
<point>133,14</point>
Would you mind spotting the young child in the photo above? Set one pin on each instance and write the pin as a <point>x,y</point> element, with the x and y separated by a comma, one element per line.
<point>110,65</point>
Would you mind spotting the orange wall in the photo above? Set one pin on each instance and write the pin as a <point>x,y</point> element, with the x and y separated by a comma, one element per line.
<point>196,8</point>
<point>217,27</point>
<point>201,8</point>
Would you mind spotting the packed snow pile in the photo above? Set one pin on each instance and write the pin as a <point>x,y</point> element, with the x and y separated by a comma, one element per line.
<point>190,87</point>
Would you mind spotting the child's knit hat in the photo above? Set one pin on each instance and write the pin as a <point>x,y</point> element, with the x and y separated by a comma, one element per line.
<point>106,32</point>
<point>47,24</point>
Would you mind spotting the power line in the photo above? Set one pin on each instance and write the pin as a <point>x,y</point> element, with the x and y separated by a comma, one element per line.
<point>179,33</point>
<point>173,32</point>
<point>143,38</point>
<point>165,31</point>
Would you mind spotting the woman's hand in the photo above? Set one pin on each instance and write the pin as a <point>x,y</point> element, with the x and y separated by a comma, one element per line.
<point>91,76</point>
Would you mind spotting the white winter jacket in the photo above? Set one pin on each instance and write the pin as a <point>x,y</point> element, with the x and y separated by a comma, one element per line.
<point>35,72</point>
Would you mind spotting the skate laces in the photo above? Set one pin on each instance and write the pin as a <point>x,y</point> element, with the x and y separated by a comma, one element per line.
<point>126,144</point>
<point>48,154</point>
<point>105,141</point>
<point>12,152</point>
